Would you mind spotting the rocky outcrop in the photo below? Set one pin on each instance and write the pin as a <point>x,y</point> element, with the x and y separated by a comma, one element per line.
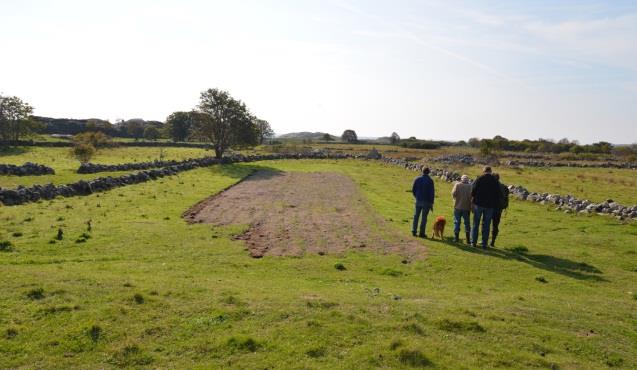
<point>27,169</point>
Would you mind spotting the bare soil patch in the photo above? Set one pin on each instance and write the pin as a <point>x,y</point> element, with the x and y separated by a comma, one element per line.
<point>293,213</point>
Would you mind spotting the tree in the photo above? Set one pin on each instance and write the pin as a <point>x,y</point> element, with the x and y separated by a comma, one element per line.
<point>349,136</point>
<point>394,138</point>
<point>133,128</point>
<point>264,130</point>
<point>96,139</point>
<point>14,119</point>
<point>327,137</point>
<point>486,147</point>
<point>474,142</point>
<point>94,124</point>
<point>83,152</point>
<point>224,121</point>
<point>151,133</point>
<point>178,126</point>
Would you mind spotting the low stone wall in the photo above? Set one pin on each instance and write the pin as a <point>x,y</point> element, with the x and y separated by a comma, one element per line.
<point>22,194</point>
<point>529,161</point>
<point>27,169</point>
<point>567,203</point>
<point>95,167</point>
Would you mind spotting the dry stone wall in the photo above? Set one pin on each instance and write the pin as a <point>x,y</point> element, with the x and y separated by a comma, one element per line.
<point>27,169</point>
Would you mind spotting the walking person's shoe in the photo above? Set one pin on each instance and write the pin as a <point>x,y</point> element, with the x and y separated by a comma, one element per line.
<point>493,240</point>
<point>457,237</point>
<point>468,238</point>
<point>413,233</point>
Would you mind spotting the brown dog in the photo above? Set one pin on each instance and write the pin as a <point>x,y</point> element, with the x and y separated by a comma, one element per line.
<point>439,227</point>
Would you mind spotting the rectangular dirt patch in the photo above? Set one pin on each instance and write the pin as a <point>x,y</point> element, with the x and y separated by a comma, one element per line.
<point>293,213</point>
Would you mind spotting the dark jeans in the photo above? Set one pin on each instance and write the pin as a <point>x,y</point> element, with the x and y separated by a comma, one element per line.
<point>486,214</point>
<point>497,216</point>
<point>423,208</point>
<point>458,216</point>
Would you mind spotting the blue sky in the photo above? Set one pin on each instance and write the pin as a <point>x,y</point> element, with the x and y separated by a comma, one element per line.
<point>433,69</point>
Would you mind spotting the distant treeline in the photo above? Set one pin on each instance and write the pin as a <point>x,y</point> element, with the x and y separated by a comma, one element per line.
<point>499,143</point>
<point>132,128</point>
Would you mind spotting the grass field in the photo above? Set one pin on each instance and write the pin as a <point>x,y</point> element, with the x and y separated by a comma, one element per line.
<point>594,184</point>
<point>145,289</point>
<point>61,160</point>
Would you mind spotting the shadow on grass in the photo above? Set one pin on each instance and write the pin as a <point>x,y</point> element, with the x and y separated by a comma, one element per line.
<point>562,266</point>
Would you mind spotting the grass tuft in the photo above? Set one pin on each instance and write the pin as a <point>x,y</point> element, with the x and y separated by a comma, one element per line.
<point>541,279</point>
<point>316,352</point>
<point>138,298</point>
<point>243,344</point>
<point>94,332</point>
<point>6,246</point>
<point>413,358</point>
<point>460,326</point>
<point>35,294</point>
<point>340,266</point>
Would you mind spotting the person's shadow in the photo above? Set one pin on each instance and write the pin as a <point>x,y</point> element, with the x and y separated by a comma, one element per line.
<point>562,266</point>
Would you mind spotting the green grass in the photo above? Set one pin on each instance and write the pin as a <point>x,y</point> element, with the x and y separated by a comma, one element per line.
<point>65,165</point>
<point>594,184</point>
<point>148,290</point>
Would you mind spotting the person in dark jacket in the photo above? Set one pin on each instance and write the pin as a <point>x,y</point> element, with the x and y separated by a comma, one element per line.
<point>486,196</point>
<point>497,212</point>
<point>423,191</point>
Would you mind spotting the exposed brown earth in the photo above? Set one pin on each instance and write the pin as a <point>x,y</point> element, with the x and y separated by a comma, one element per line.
<point>293,213</point>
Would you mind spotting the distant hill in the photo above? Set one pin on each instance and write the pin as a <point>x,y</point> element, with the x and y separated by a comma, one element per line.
<point>306,136</point>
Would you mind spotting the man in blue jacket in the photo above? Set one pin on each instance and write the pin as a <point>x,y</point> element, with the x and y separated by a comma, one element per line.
<point>423,190</point>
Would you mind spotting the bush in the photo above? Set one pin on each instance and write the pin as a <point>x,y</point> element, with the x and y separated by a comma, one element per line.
<point>83,152</point>
<point>96,139</point>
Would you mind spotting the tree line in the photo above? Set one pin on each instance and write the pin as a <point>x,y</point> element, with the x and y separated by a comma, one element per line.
<point>499,143</point>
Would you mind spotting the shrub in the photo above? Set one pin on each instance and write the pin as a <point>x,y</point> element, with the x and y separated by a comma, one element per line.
<point>83,152</point>
<point>95,139</point>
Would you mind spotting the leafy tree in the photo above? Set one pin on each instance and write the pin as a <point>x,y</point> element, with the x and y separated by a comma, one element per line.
<point>95,124</point>
<point>474,142</point>
<point>327,137</point>
<point>486,147</point>
<point>133,128</point>
<point>224,121</point>
<point>151,133</point>
<point>394,138</point>
<point>178,126</point>
<point>83,152</point>
<point>349,136</point>
<point>264,130</point>
<point>96,139</point>
<point>14,119</point>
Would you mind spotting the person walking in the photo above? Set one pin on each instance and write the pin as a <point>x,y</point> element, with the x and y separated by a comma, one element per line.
<point>461,194</point>
<point>497,212</point>
<point>424,192</point>
<point>486,197</point>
